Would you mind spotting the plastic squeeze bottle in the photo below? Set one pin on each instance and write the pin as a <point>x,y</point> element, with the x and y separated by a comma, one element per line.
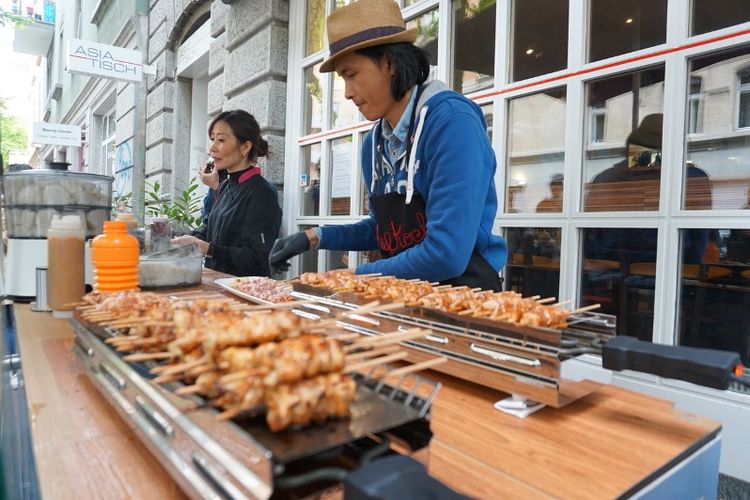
<point>65,249</point>
<point>115,255</point>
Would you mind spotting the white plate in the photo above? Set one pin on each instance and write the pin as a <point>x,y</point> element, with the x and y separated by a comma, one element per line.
<point>226,284</point>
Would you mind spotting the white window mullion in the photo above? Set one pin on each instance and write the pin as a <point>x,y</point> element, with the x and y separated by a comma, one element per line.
<point>670,203</point>
<point>500,106</point>
<point>445,47</point>
<point>572,171</point>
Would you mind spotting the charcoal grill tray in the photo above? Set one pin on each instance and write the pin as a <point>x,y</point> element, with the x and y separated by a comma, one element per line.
<point>370,414</point>
<point>375,409</point>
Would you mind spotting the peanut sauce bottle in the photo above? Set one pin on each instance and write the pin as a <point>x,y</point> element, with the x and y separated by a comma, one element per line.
<point>65,271</point>
<point>115,255</point>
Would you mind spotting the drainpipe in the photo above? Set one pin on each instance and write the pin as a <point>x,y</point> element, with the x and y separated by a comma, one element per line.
<point>140,25</point>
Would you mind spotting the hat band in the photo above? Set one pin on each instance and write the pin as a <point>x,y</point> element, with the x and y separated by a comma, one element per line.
<point>363,36</point>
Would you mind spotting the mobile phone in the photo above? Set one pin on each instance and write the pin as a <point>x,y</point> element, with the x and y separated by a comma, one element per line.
<point>209,166</point>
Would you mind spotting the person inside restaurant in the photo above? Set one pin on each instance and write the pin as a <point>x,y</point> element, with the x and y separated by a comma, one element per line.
<point>427,161</point>
<point>245,218</point>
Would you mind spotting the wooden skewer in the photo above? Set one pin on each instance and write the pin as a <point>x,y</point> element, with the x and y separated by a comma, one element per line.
<point>242,374</point>
<point>183,367</point>
<point>229,414</point>
<point>414,368</point>
<point>585,308</point>
<point>188,390</point>
<point>547,300</point>
<point>382,340</point>
<point>121,339</point>
<point>375,362</point>
<point>370,354</point>
<point>147,356</point>
<point>79,304</point>
<point>563,303</point>
<point>534,297</point>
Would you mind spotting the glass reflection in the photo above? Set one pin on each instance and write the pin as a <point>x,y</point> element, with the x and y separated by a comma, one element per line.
<point>310,180</point>
<point>309,259</point>
<point>488,118</point>
<point>717,112</point>
<point>313,118</point>
<point>618,272</point>
<point>540,37</point>
<point>316,15</point>
<point>536,152</point>
<point>473,50</point>
<point>427,36</point>
<point>710,15</point>
<point>341,175</point>
<point>533,261</point>
<point>336,259</point>
<point>624,138</point>
<point>343,111</point>
<point>625,26</point>
<point>715,290</point>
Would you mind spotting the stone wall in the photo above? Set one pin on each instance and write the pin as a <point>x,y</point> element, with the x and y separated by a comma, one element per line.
<point>247,69</point>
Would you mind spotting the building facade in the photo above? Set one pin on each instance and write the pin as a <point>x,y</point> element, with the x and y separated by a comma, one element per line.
<point>211,57</point>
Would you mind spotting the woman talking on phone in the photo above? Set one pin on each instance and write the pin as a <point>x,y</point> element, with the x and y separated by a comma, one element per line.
<point>245,218</point>
<point>427,162</point>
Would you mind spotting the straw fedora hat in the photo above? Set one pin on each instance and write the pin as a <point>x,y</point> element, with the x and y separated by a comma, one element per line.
<point>364,23</point>
<point>648,133</point>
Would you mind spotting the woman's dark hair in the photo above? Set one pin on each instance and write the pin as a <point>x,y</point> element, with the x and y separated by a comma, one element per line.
<point>245,128</point>
<point>411,65</point>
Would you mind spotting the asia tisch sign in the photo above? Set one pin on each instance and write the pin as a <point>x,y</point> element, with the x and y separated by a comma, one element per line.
<point>106,61</point>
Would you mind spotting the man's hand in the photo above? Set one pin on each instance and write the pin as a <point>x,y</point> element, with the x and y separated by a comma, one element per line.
<point>286,248</point>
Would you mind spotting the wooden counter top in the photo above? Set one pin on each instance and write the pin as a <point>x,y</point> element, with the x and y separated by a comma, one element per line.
<point>598,447</point>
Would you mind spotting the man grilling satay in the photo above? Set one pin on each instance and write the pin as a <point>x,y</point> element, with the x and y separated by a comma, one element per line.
<point>427,162</point>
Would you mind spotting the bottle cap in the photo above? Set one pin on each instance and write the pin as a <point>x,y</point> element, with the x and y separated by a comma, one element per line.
<point>115,225</point>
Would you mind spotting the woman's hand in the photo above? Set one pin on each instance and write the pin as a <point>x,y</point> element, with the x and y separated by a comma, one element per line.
<point>210,179</point>
<point>191,240</point>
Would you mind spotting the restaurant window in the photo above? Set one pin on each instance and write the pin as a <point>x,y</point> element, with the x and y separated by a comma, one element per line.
<point>316,16</point>
<point>710,15</point>
<point>309,259</point>
<point>539,37</point>
<point>313,104</point>
<point>364,207</point>
<point>695,105</point>
<point>716,174</point>
<point>343,110</point>
<point>109,135</point>
<point>597,116</point>
<point>536,152</point>
<point>427,36</point>
<point>622,168</point>
<point>618,272</point>
<point>309,181</point>
<point>743,93</point>
<point>341,175</point>
<point>335,259</point>
<point>533,266</point>
<point>473,48</point>
<point>625,26</point>
<point>488,118</point>
<point>714,290</point>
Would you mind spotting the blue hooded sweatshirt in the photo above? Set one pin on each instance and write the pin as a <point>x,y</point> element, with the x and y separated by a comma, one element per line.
<point>454,172</point>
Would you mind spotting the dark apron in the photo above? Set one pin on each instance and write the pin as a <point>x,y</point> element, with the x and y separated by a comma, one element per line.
<point>400,226</point>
